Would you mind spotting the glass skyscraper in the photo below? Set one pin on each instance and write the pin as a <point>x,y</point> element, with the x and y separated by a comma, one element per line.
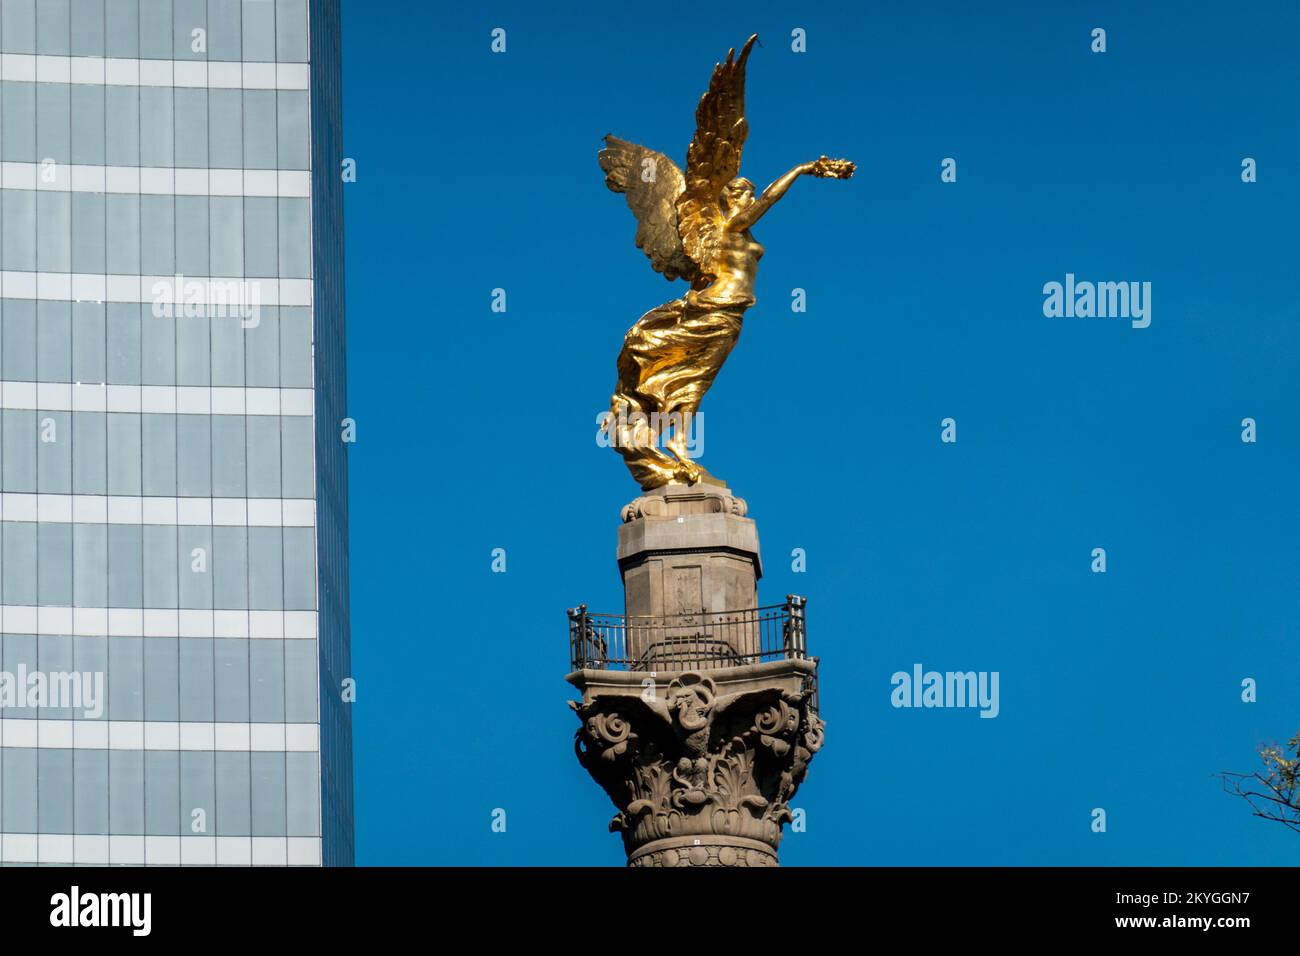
<point>174,640</point>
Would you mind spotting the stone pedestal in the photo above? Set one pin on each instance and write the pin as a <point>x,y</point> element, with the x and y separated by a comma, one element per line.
<point>699,708</point>
<point>689,558</point>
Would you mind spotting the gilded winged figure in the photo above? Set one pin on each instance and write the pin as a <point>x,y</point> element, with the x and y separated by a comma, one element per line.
<point>693,226</point>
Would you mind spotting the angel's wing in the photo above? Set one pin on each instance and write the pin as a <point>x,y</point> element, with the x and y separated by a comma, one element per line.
<point>714,157</point>
<point>652,182</point>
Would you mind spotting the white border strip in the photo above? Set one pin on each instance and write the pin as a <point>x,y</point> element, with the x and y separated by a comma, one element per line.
<point>97,287</point>
<point>156,180</point>
<point>156,622</point>
<point>126,71</point>
<point>162,399</point>
<point>129,509</point>
<point>47,734</point>
<point>105,850</point>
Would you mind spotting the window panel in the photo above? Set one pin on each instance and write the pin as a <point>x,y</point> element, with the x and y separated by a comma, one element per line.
<point>122,28</point>
<point>90,784</point>
<point>158,444</point>
<point>231,672</point>
<point>262,349</point>
<point>224,40</point>
<point>226,128</point>
<point>161,678</point>
<point>18,351</point>
<point>122,131</point>
<point>264,456</point>
<point>157,235</point>
<point>295,238</point>
<point>298,437</point>
<point>229,470</point>
<point>54,564</point>
<point>20,651</point>
<point>88,232</point>
<point>90,565</point>
<point>18,120</point>
<point>156,126</point>
<point>126,678</point>
<point>54,124</point>
<point>88,363</point>
<point>54,785</point>
<point>266,670</point>
<point>125,560</point>
<point>87,28</point>
<point>18,789</point>
<point>53,341</point>
<point>302,793</point>
<point>122,215</point>
<point>125,792</point>
<point>193,362</point>
<point>162,796</point>
<point>87,123</point>
<point>19,458</point>
<point>53,29</point>
<point>53,231</point>
<point>261,244</point>
<point>291,31</point>
<point>294,137</point>
<point>54,452</point>
<point>198,789</point>
<point>187,16</point>
<point>299,569</point>
<point>259,31</point>
<point>89,452</point>
<point>160,567</point>
<point>265,569</point>
<point>157,348</point>
<point>54,655</point>
<point>156,29</point>
<point>232,779</point>
<point>228,350</point>
<point>259,129</point>
<point>268,797</point>
<point>191,126</point>
<point>194,556</point>
<point>18,26</point>
<point>124,459</point>
<point>193,456</point>
<point>196,683</point>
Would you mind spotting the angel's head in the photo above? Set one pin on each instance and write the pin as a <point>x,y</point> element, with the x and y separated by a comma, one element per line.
<point>737,195</point>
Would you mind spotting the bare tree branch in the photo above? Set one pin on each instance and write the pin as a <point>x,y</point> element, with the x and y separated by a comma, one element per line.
<point>1275,793</point>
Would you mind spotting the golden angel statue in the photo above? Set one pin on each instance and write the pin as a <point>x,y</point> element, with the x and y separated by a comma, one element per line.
<point>693,226</point>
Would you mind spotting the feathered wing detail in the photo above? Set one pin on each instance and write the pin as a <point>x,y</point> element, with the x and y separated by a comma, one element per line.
<point>652,182</point>
<point>714,158</point>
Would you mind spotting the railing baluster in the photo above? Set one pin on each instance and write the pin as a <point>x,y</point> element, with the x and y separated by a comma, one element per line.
<point>701,639</point>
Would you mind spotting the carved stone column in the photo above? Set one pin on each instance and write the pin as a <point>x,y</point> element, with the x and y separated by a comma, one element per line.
<point>699,709</point>
<point>701,767</point>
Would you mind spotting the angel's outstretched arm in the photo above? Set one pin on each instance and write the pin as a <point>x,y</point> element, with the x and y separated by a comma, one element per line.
<point>771,194</point>
<point>823,167</point>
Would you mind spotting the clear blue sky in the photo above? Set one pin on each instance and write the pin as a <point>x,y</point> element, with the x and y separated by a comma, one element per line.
<point>475,429</point>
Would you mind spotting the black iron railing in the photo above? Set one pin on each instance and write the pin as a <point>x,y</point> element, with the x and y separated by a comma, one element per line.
<point>688,641</point>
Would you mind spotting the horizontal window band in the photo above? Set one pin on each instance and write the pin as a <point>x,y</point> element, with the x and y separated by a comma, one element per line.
<point>127,509</point>
<point>157,399</point>
<point>128,71</point>
<point>156,180</point>
<point>132,850</point>
<point>214,736</point>
<point>220,294</point>
<point>49,620</point>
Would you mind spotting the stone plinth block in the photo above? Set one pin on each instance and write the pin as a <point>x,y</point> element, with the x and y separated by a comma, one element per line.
<point>689,557</point>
